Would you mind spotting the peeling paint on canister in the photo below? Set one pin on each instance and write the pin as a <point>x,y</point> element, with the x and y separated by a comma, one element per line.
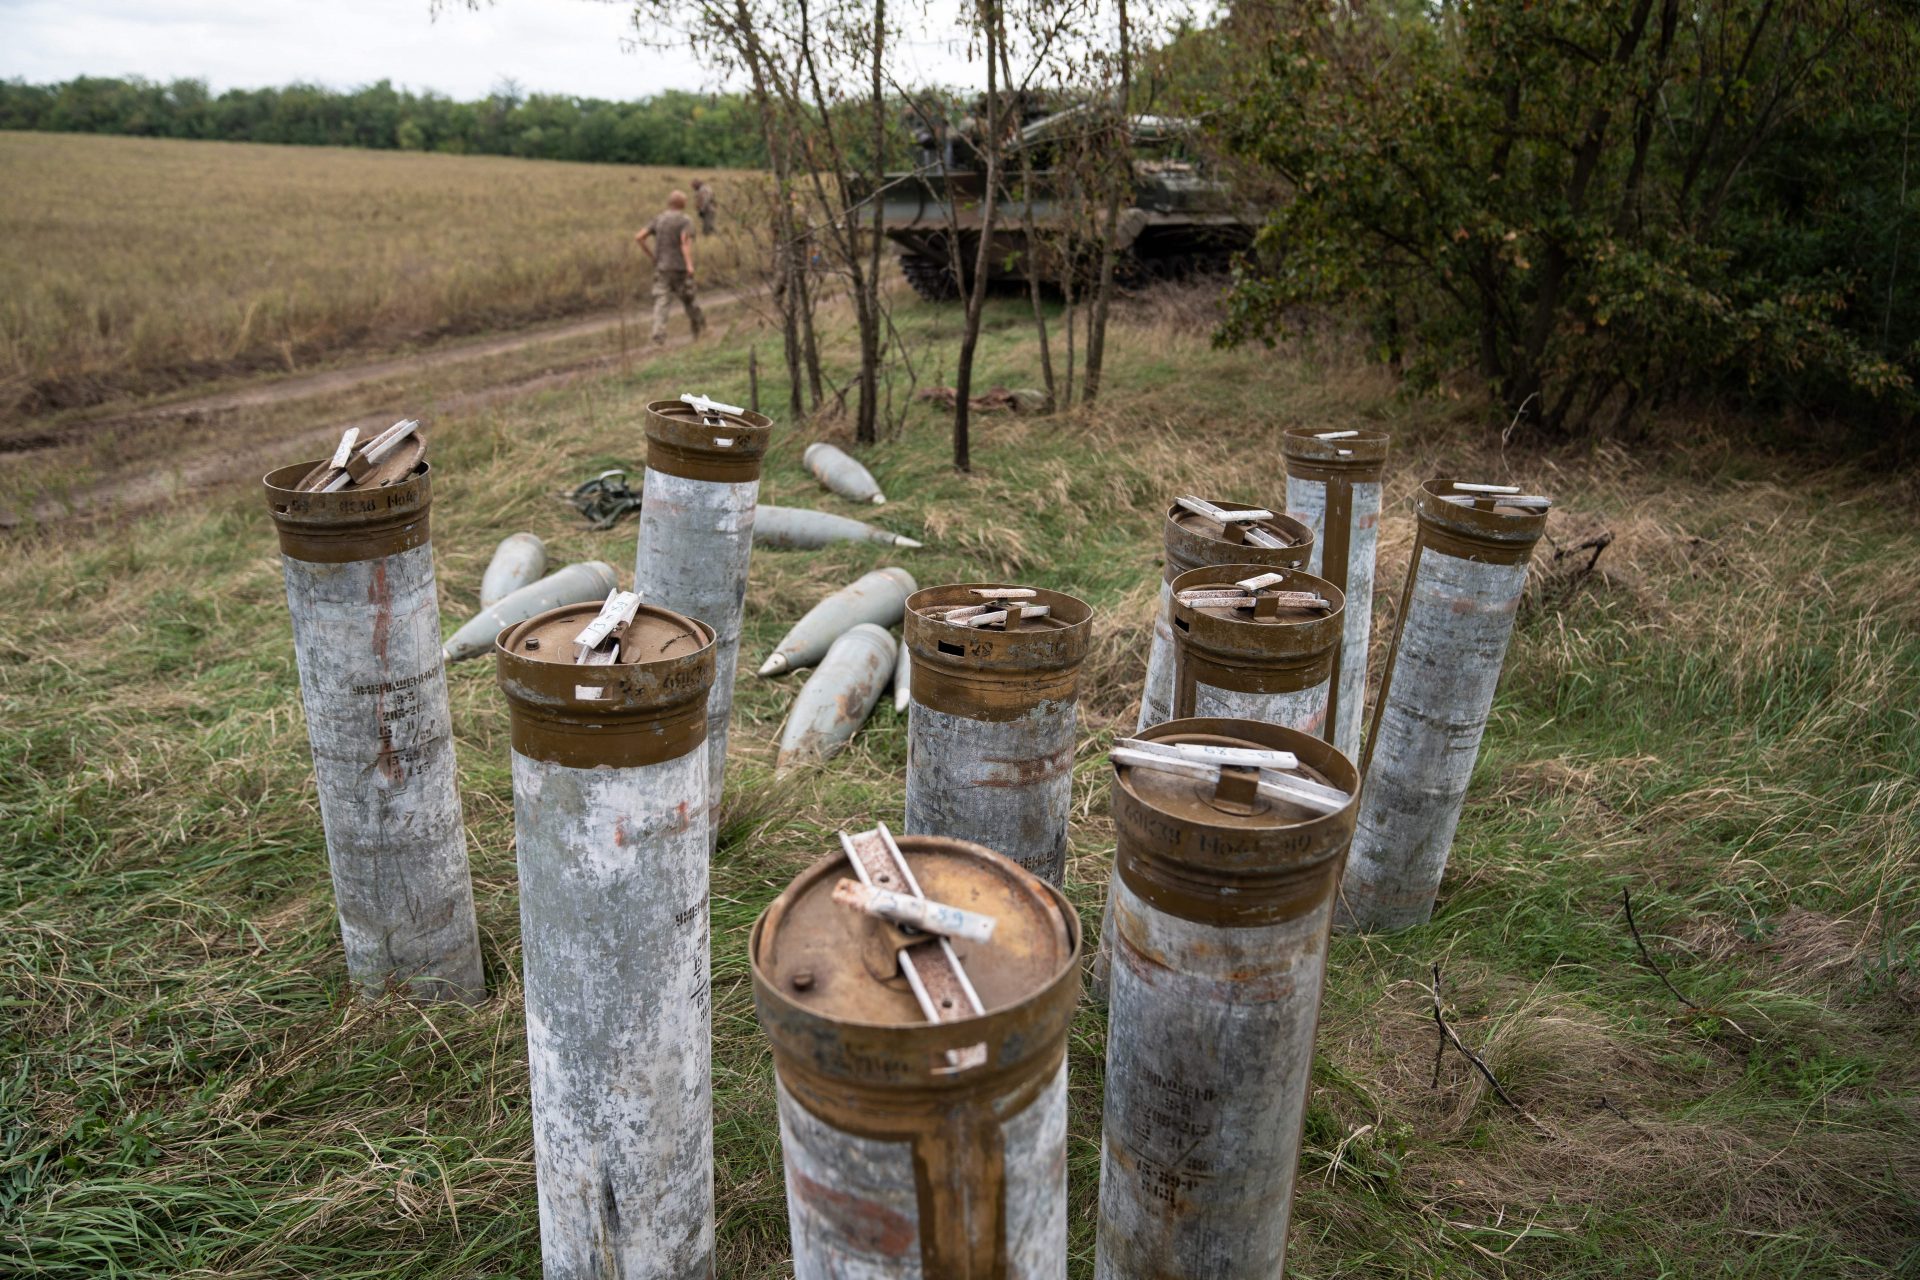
<point>1195,542</point>
<point>990,725</point>
<point>610,825</point>
<point>900,1164</point>
<point>1464,582</point>
<point>1333,484</point>
<point>1221,906</point>
<point>366,637</point>
<point>696,540</point>
<point>1237,664</point>
<point>520,558</point>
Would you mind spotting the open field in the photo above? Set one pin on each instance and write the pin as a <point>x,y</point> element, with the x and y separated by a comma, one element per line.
<point>1721,718</point>
<point>133,265</point>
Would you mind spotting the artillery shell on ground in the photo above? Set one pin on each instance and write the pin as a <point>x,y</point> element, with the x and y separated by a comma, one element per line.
<point>366,637</point>
<point>610,824</point>
<point>696,539</point>
<point>1221,898</point>
<point>797,528</point>
<point>902,677</point>
<point>990,724</point>
<point>1333,485</point>
<point>918,1144</point>
<point>575,584</point>
<point>1463,589</point>
<point>879,597</point>
<point>1274,665</point>
<point>1194,541</point>
<point>833,467</point>
<point>838,697</point>
<point>519,559</point>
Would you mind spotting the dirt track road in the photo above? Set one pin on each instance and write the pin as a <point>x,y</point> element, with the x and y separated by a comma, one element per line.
<point>217,459</point>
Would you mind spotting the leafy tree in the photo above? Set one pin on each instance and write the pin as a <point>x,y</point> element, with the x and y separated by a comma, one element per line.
<point>1593,205</point>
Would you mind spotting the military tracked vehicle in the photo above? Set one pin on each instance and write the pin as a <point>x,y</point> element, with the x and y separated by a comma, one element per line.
<point>1177,220</point>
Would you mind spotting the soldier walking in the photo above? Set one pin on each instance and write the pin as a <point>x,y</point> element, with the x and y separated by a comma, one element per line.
<point>671,237</point>
<point>703,205</point>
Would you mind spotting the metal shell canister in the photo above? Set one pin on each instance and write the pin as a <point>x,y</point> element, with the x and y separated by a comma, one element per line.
<point>900,1163</point>
<point>1333,484</point>
<point>609,784</point>
<point>1466,576</point>
<point>1195,542</point>
<point>1221,915</point>
<point>366,636</point>
<point>990,725</point>
<point>1277,670</point>
<point>696,539</point>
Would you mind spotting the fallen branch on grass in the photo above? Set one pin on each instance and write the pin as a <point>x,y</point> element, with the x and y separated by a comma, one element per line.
<point>1695,1011</point>
<point>1449,1036</point>
<point>1646,958</point>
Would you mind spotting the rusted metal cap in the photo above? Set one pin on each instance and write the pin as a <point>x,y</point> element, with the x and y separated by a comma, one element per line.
<point>1361,456</point>
<point>1290,649</point>
<point>1485,530</point>
<point>381,517</point>
<point>722,446</point>
<point>828,992</point>
<point>1228,862</point>
<point>648,707</point>
<point>991,674</point>
<point>1194,541</point>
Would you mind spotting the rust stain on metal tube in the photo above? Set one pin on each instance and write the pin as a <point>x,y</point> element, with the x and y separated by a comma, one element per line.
<point>610,824</point>
<point>1334,485</point>
<point>899,1162</point>
<point>990,728</point>
<point>1221,914</point>
<point>1194,542</point>
<point>696,540</point>
<point>365,614</point>
<point>1464,581</point>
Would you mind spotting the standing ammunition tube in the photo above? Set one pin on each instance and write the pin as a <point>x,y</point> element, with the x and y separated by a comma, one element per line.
<point>1195,542</point>
<point>696,538</point>
<point>990,726</point>
<point>1238,664</point>
<point>1334,486</point>
<point>609,784</point>
<point>1221,909</point>
<point>919,1150</point>
<point>366,637</point>
<point>1464,582</point>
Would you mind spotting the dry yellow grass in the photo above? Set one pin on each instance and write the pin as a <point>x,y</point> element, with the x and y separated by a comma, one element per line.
<point>135,264</point>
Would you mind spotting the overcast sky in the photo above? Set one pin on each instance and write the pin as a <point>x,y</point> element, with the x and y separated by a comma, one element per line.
<point>551,46</point>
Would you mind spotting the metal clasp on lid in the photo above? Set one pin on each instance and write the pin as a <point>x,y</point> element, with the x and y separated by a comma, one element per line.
<point>1239,526</point>
<point>1229,769</point>
<point>598,645</point>
<point>940,984</point>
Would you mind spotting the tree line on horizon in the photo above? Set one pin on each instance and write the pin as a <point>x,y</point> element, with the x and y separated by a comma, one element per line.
<point>671,128</point>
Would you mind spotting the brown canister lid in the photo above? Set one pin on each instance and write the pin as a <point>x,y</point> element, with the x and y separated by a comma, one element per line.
<point>1361,456</point>
<point>1485,531</point>
<point>720,446</point>
<point>1193,540</point>
<point>385,514</point>
<point>1194,852</point>
<point>824,956</point>
<point>985,673</point>
<point>1239,635</point>
<point>648,707</point>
